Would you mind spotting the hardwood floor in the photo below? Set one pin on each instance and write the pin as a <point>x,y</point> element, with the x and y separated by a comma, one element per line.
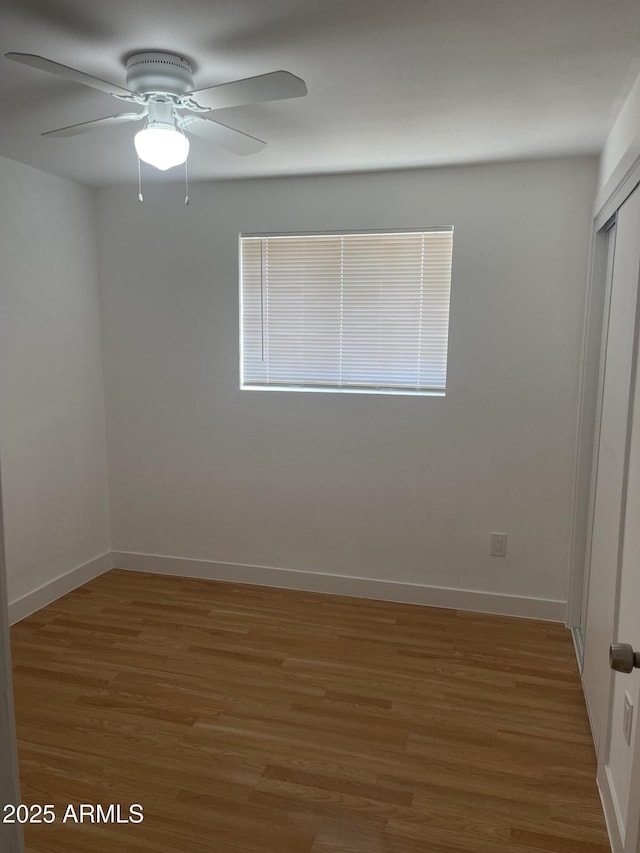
<point>271,721</point>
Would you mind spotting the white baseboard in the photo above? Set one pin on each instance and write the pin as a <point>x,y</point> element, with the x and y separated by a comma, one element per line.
<point>433,596</point>
<point>49,592</point>
<point>578,645</point>
<point>383,590</point>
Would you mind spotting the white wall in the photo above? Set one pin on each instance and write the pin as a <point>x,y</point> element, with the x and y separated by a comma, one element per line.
<point>52,439</point>
<point>396,488</point>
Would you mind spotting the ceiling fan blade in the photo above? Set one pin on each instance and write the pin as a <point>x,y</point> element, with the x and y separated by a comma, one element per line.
<point>220,134</point>
<point>275,86</point>
<point>68,73</point>
<point>96,124</point>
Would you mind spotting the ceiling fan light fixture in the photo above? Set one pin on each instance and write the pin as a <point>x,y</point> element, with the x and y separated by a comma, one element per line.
<point>162,146</point>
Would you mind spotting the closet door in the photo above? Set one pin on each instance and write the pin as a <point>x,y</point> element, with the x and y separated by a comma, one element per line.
<point>611,462</point>
<point>619,755</point>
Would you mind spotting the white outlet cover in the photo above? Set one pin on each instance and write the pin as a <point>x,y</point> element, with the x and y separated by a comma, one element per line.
<point>498,545</point>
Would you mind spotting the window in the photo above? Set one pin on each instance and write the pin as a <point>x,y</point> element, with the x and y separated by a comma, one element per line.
<point>356,312</point>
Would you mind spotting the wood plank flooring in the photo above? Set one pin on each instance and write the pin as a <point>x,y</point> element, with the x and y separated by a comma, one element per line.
<point>272,721</point>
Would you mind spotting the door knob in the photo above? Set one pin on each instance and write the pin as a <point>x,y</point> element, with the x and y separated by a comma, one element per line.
<point>622,657</point>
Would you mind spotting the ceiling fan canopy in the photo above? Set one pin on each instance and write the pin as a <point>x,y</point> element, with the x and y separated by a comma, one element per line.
<point>159,72</point>
<point>161,84</point>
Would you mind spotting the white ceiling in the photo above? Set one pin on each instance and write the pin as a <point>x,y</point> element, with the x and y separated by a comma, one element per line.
<point>392,83</point>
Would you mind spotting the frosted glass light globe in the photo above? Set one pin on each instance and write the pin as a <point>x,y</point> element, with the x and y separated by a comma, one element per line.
<point>162,147</point>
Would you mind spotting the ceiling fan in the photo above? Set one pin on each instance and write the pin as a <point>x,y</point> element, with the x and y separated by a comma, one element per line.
<point>161,85</point>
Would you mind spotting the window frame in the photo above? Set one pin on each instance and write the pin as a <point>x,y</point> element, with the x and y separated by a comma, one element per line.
<point>346,389</point>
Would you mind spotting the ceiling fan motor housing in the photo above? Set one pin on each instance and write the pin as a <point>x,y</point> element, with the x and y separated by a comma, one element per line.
<point>159,72</point>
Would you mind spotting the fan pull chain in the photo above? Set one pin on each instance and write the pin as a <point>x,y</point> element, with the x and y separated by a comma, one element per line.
<point>186,182</point>
<point>140,196</point>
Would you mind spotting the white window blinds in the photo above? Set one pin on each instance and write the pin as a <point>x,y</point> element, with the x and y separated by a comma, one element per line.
<point>359,311</point>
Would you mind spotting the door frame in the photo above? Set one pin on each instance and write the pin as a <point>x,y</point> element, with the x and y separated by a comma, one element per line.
<point>588,430</point>
<point>11,838</point>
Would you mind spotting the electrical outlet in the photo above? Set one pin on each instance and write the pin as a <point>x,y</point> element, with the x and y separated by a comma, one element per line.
<point>498,545</point>
<point>627,719</point>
